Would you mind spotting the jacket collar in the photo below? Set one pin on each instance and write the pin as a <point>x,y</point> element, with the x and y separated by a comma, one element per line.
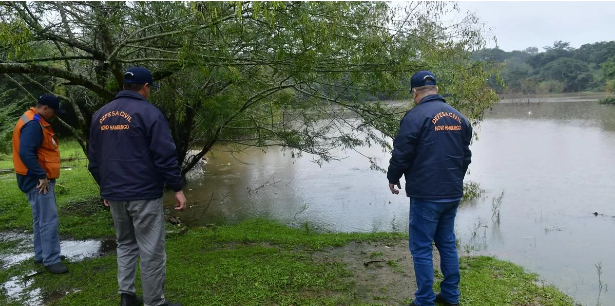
<point>430,98</point>
<point>39,118</point>
<point>129,94</point>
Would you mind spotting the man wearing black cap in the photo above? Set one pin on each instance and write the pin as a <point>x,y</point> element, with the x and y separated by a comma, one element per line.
<point>36,158</point>
<point>432,151</point>
<point>132,156</point>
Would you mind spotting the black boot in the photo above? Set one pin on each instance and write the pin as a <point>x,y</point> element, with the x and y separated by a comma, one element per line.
<point>57,268</point>
<point>440,299</point>
<point>130,300</point>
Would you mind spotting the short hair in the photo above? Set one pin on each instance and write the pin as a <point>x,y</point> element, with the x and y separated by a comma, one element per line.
<point>133,86</point>
<point>426,88</point>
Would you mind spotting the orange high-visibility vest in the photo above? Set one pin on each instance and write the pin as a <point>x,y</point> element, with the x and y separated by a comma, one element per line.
<point>48,153</point>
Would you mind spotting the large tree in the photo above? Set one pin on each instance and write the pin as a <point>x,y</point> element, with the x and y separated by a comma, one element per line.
<point>302,75</point>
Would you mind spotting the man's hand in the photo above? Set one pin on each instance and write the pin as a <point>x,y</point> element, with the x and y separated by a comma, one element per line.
<point>106,202</point>
<point>392,187</point>
<point>181,200</point>
<point>43,186</point>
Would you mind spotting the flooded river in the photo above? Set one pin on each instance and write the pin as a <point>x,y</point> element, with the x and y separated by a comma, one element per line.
<point>554,159</point>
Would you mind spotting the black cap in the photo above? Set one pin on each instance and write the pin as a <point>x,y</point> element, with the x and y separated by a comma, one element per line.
<point>139,75</point>
<point>422,78</point>
<point>52,102</point>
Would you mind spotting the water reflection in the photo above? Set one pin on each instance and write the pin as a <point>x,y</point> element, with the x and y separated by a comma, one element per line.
<point>21,290</point>
<point>294,190</point>
<point>17,289</point>
<point>72,250</point>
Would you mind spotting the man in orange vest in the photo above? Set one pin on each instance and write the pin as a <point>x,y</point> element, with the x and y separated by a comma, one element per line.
<point>36,159</point>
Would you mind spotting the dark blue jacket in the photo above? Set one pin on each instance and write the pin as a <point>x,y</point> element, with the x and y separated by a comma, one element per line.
<point>432,149</point>
<point>131,151</point>
<point>31,139</point>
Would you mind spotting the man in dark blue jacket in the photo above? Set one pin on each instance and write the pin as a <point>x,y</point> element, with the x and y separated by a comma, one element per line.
<point>132,155</point>
<point>432,151</point>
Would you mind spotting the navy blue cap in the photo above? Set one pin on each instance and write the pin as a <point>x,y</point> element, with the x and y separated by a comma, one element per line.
<point>52,102</point>
<point>139,75</point>
<point>422,78</point>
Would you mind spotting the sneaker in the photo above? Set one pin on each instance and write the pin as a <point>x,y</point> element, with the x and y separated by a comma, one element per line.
<point>167,303</point>
<point>440,299</point>
<point>57,268</point>
<point>127,299</point>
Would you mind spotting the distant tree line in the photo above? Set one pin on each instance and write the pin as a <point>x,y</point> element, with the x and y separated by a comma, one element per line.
<point>559,68</point>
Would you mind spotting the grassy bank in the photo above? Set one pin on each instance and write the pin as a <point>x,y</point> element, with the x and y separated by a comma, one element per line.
<point>81,213</point>
<point>260,262</point>
<point>257,262</point>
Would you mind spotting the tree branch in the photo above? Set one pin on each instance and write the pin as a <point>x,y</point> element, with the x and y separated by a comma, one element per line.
<point>128,39</point>
<point>255,98</point>
<point>41,33</point>
<point>75,79</point>
<point>135,40</point>
<point>34,99</point>
<point>74,132</point>
<point>152,49</point>
<point>57,58</point>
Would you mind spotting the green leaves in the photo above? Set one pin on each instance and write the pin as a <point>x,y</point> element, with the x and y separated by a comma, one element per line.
<point>14,38</point>
<point>257,73</point>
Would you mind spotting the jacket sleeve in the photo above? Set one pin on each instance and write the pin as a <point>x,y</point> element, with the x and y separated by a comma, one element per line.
<point>30,140</point>
<point>93,151</point>
<point>403,148</point>
<point>467,154</point>
<point>164,153</point>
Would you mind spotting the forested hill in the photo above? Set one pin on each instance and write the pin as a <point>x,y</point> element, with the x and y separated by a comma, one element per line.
<point>559,68</point>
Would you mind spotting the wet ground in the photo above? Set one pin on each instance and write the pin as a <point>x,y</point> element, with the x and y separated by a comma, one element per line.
<point>20,288</point>
<point>382,272</point>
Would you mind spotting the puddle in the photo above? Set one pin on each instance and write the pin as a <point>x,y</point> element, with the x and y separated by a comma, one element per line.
<point>80,250</point>
<point>72,250</point>
<point>19,289</point>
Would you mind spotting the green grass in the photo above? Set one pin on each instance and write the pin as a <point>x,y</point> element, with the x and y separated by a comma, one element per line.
<point>260,262</point>
<point>6,161</point>
<point>69,150</point>
<point>488,281</point>
<point>81,213</point>
<point>257,262</point>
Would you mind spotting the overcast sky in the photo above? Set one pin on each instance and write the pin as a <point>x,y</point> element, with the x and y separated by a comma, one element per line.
<point>518,25</point>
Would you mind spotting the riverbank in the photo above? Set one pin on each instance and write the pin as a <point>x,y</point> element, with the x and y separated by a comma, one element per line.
<point>547,98</point>
<point>260,262</point>
<point>256,262</point>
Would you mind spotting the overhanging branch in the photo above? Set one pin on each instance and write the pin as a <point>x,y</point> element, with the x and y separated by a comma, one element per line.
<point>75,79</point>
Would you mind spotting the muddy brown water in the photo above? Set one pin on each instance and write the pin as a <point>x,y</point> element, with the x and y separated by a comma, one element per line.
<point>553,157</point>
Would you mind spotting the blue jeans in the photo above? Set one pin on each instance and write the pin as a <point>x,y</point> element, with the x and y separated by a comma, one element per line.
<point>45,225</point>
<point>434,222</point>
